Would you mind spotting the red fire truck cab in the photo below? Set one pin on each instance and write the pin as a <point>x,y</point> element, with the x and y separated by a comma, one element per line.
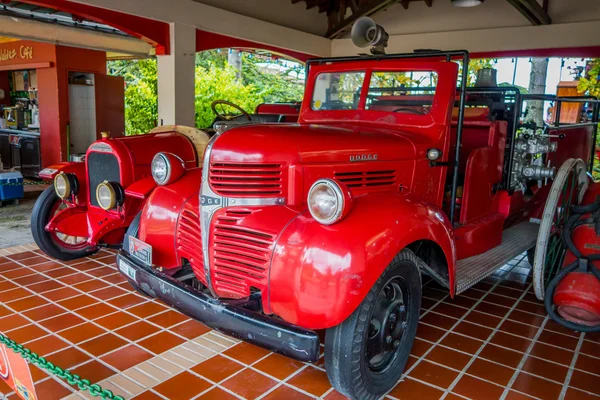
<point>395,169</point>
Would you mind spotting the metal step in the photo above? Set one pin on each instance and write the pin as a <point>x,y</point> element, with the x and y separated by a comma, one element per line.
<point>515,240</point>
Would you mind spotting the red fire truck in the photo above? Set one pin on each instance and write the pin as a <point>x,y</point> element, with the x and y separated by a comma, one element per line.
<point>395,169</point>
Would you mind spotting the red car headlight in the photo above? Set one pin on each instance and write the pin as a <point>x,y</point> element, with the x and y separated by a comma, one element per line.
<point>65,185</point>
<point>167,168</point>
<point>328,201</point>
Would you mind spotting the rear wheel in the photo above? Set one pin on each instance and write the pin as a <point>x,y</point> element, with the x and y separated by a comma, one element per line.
<point>568,189</point>
<point>55,244</point>
<point>366,354</point>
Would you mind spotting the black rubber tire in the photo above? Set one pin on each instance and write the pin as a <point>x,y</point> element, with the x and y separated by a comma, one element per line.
<point>346,362</point>
<point>40,218</point>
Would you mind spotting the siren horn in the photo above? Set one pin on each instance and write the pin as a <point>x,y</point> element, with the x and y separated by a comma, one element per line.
<point>365,32</point>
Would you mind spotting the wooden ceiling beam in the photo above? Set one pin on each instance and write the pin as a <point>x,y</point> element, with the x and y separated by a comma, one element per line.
<point>533,11</point>
<point>337,11</point>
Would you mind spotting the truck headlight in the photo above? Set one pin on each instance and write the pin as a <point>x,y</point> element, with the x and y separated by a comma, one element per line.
<point>328,203</point>
<point>166,168</point>
<point>109,195</point>
<point>65,185</point>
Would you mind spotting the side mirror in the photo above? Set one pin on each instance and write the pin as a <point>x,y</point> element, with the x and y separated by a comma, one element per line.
<point>365,33</point>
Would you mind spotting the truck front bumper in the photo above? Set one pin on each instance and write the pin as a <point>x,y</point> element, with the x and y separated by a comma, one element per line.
<point>235,318</point>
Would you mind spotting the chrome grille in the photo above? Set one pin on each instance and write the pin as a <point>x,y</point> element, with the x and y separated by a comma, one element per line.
<point>188,239</point>
<point>252,180</point>
<point>240,256</point>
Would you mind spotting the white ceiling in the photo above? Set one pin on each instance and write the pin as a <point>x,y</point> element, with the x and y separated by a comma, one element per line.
<point>280,12</point>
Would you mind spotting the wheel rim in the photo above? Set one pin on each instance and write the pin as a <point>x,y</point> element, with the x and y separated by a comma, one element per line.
<point>67,242</point>
<point>388,322</point>
<point>568,189</point>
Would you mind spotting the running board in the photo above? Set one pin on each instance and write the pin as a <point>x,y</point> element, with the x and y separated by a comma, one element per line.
<point>515,240</point>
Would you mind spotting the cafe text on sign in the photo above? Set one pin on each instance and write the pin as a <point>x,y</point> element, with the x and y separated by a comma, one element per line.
<point>24,52</point>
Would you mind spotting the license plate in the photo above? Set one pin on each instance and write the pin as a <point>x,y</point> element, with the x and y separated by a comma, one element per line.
<point>140,251</point>
<point>127,269</point>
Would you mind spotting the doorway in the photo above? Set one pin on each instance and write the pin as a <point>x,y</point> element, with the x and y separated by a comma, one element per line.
<point>82,112</point>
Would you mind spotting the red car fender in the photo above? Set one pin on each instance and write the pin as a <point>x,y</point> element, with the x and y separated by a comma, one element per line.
<point>320,273</point>
<point>77,168</point>
<point>160,216</point>
<point>142,188</point>
<point>72,221</point>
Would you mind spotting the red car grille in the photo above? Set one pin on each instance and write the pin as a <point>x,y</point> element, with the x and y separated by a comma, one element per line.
<point>188,240</point>
<point>365,179</point>
<point>240,256</point>
<point>239,180</point>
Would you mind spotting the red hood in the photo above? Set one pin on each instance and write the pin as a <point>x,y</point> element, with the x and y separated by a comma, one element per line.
<point>309,144</point>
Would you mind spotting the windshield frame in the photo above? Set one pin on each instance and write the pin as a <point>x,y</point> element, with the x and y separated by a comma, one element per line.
<point>443,99</point>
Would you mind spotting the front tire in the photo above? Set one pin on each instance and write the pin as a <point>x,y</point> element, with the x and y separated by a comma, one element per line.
<point>44,209</point>
<point>366,354</point>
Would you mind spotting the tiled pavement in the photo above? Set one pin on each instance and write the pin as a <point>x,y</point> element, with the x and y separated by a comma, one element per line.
<point>494,341</point>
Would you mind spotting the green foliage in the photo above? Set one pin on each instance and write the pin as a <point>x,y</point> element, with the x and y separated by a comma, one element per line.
<point>215,80</point>
<point>272,85</point>
<point>211,59</point>
<point>221,84</point>
<point>141,93</point>
<point>590,83</point>
<point>474,66</point>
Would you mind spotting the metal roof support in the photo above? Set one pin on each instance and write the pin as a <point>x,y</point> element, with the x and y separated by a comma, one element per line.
<point>532,10</point>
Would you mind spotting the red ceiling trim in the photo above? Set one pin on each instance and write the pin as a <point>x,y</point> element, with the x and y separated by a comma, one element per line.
<point>156,33</point>
<point>210,40</point>
<point>566,52</point>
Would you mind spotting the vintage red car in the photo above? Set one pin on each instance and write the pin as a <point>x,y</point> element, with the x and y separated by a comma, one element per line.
<point>395,169</point>
<point>92,203</point>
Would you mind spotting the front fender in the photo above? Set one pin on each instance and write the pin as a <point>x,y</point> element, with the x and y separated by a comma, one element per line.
<point>77,168</point>
<point>320,274</point>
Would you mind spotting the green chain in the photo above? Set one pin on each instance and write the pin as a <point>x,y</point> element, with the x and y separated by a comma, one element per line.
<point>83,384</point>
<point>26,183</point>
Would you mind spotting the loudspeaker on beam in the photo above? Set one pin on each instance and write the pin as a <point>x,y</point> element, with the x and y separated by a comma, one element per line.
<point>365,33</point>
<point>487,77</point>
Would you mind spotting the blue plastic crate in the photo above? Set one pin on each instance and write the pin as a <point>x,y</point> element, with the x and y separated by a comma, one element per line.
<point>8,189</point>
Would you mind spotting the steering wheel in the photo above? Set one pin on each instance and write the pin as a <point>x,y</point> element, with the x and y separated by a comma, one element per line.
<point>225,116</point>
<point>410,110</point>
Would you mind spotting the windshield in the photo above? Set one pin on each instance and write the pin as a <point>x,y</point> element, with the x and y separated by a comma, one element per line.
<point>390,91</point>
<point>337,90</point>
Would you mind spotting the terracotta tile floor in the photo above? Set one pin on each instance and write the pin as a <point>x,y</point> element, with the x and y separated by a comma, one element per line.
<point>494,341</point>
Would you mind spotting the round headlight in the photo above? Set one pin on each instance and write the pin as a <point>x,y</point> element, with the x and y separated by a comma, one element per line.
<point>109,195</point>
<point>326,201</point>
<point>161,169</point>
<point>167,168</point>
<point>62,187</point>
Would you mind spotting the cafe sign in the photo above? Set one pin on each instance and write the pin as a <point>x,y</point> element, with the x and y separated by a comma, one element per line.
<point>23,52</point>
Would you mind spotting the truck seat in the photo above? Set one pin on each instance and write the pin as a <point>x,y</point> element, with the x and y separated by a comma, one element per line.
<point>198,137</point>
